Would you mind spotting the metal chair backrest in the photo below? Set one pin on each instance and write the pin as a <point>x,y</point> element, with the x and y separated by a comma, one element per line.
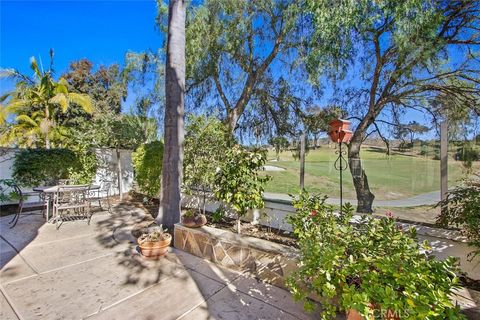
<point>105,188</point>
<point>71,195</point>
<point>63,182</point>
<point>19,193</point>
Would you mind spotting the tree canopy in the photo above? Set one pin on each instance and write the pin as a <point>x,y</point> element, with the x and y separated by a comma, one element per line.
<point>231,49</point>
<point>37,104</point>
<point>404,52</point>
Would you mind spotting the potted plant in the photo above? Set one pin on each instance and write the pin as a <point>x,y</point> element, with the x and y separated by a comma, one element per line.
<point>193,219</point>
<point>155,242</point>
<point>368,269</point>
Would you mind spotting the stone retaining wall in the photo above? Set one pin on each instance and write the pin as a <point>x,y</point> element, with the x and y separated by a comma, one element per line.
<point>268,261</point>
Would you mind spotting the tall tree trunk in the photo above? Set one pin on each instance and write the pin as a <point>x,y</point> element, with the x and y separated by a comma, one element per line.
<point>232,120</point>
<point>364,196</point>
<point>169,212</point>
<point>47,138</point>
<point>119,173</point>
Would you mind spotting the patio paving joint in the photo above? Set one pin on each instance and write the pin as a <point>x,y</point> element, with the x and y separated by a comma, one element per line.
<point>59,240</point>
<point>9,302</point>
<point>57,269</point>
<point>204,300</point>
<point>102,308</point>
<point>20,255</point>
<point>279,307</point>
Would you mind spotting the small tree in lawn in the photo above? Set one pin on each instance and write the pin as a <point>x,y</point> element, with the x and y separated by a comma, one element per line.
<point>206,141</point>
<point>238,182</point>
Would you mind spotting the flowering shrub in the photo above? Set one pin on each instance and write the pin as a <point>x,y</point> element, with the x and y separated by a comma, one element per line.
<point>372,266</point>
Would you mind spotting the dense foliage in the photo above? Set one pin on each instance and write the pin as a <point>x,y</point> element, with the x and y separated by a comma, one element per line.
<point>372,266</point>
<point>461,209</point>
<point>205,146</point>
<point>33,167</point>
<point>230,57</point>
<point>105,86</point>
<point>400,50</point>
<point>86,170</point>
<point>147,162</point>
<point>238,182</point>
<point>37,102</point>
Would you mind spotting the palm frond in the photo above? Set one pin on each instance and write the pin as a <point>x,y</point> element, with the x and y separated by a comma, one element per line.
<point>3,114</point>
<point>82,100</point>
<point>5,96</point>
<point>26,119</point>
<point>15,105</point>
<point>14,74</point>
<point>62,86</point>
<point>34,67</point>
<point>60,99</point>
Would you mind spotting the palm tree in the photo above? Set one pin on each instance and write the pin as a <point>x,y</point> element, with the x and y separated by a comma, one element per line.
<point>27,131</point>
<point>169,212</point>
<point>35,102</point>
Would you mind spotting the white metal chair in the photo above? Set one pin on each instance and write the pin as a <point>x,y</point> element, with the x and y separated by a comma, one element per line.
<point>100,195</point>
<point>22,204</point>
<point>71,203</point>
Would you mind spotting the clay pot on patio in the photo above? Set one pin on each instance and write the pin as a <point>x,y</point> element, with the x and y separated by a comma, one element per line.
<point>353,314</point>
<point>154,249</point>
<point>194,221</point>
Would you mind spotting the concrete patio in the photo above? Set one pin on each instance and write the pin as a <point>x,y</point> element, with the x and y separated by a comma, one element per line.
<point>94,272</point>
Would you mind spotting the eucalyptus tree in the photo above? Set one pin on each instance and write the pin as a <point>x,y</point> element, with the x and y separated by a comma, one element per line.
<point>169,212</point>
<point>37,101</point>
<point>407,53</point>
<point>232,46</point>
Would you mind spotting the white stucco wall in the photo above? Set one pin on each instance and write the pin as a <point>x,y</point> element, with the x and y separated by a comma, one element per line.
<point>106,170</point>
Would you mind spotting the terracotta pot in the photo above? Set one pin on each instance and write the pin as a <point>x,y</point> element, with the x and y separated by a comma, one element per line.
<point>155,249</point>
<point>353,314</point>
<point>388,314</point>
<point>194,221</point>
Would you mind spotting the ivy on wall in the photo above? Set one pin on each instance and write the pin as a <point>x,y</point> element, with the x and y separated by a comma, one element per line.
<point>33,167</point>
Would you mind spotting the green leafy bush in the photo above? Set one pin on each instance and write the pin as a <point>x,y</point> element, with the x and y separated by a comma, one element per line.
<point>461,209</point>
<point>85,172</point>
<point>33,167</point>
<point>372,266</point>
<point>238,182</point>
<point>206,142</point>
<point>147,162</point>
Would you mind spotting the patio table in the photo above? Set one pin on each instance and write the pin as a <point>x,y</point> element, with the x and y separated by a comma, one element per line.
<point>49,191</point>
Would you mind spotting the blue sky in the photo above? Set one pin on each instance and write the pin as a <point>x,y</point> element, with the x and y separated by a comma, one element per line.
<point>101,31</point>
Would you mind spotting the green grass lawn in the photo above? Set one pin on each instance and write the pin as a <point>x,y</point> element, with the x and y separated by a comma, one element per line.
<point>390,177</point>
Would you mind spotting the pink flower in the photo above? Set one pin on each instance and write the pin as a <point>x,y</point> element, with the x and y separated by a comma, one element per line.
<point>313,213</point>
<point>389,214</point>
